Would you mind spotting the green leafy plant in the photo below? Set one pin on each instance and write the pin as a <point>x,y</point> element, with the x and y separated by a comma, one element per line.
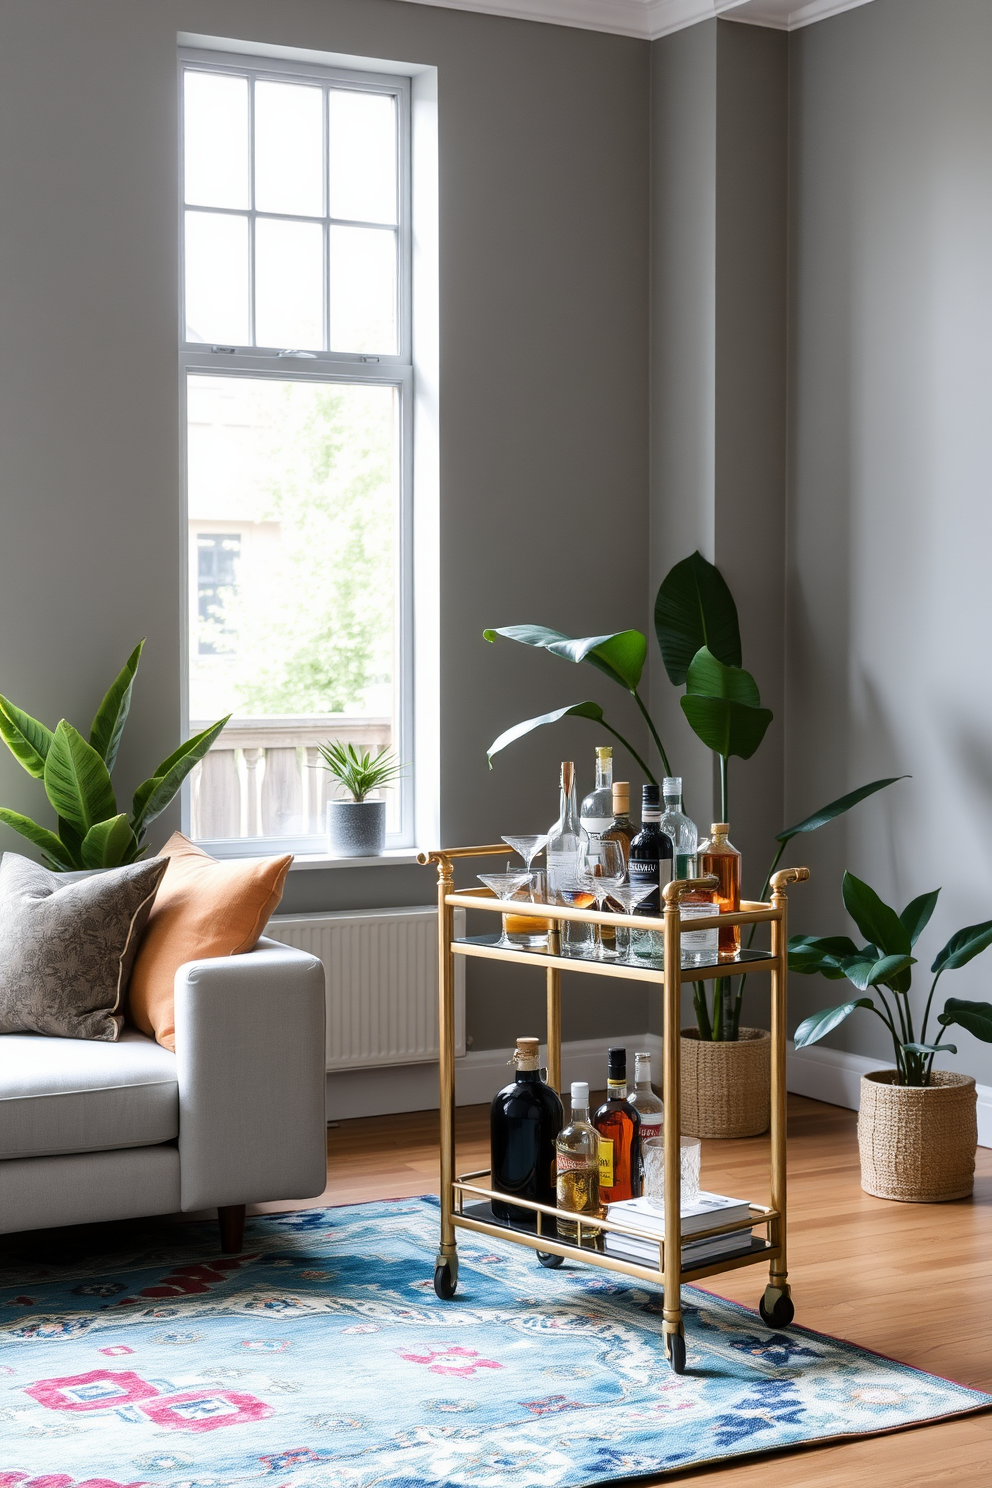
<point>76,773</point>
<point>698,634</point>
<point>359,771</point>
<point>884,968</point>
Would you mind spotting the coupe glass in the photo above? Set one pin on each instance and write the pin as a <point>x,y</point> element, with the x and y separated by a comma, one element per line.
<point>528,847</point>
<point>504,886</point>
<point>630,896</point>
<point>603,867</point>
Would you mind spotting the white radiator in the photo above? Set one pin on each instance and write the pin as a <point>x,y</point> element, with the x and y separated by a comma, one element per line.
<point>380,971</point>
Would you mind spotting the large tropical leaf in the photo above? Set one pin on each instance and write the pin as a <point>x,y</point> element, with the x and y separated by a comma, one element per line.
<point>724,726</point>
<point>974,1017</point>
<point>694,608</point>
<point>619,656</point>
<point>51,845</point>
<point>153,795</point>
<point>77,782</point>
<point>916,915</point>
<point>109,843</point>
<point>876,921</point>
<point>111,716</point>
<point>812,954</point>
<point>865,972</point>
<point>709,677</point>
<point>836,808</point>
<point>930,1048</point>
<point>961,947</point>
<point>575,710</point>
<point>820,1024</point>
<point>28,740</point>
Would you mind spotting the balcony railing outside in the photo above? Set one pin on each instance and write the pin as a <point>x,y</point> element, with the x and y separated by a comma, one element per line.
<point>264,777</point>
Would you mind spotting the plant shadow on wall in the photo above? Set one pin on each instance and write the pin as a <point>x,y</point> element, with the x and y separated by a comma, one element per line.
<point>698,633</point>
<point>76,774</point>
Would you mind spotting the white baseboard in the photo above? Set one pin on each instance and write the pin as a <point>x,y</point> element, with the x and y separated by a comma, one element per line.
<point>822,1074</point>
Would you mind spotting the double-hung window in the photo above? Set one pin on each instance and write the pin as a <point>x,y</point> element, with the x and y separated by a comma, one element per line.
<point>297,384</point>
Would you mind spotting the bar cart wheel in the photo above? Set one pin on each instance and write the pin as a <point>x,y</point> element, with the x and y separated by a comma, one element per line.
<point>776,1308</point>
<point>551,1261</point>
<point>446,1278</point>
<point>675,1350</point>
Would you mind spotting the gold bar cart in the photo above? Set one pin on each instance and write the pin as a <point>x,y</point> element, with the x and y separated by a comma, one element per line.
<point>466,1199</point>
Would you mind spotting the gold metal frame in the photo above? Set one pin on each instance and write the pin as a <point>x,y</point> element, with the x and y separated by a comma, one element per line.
<point>669,977</point>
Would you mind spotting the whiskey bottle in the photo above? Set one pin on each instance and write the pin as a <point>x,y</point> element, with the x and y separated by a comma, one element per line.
<point>577,1166</point>
<point>646,1101</point>
<point>720,857</point>
<point>651,861</point>
<point>623,829</point>
<point>525,1119</point>
<point>619,1125</point>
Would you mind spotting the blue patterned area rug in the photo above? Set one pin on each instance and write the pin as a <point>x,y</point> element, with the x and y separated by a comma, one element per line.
<point>321,1358</point>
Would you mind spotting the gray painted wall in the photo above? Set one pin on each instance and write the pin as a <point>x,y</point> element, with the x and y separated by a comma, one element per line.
<point>891,507</point>
<point>543,163</point>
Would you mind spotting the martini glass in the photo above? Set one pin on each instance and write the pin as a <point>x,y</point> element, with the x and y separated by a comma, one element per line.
<point>504,886</point>
<point>604,867</point>
<point>630,896</point>
<point>525,931</point>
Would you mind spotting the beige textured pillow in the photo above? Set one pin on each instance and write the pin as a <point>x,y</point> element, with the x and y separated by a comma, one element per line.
<point>204,908</point>
<point>67,945</point>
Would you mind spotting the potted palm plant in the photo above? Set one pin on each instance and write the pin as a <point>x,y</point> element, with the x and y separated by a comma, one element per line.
<point>356,828</point>
<point>917,1127</point>
<point>726,1070</point>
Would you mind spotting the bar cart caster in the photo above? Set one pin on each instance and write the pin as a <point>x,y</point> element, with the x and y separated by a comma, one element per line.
<point>446,1276</point>
<point>776,1307</point>
<point>675,1350</point>
<point>552,1262</point>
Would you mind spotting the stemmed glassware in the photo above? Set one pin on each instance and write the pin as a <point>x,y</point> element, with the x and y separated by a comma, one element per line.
<point>504,886</point>
<point>528,847</point>
<point>603,868</point>
<point>630,896</point>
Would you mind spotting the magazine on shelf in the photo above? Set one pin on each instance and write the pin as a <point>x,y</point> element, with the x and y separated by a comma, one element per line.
<point>708,1210</point>
<point>696,1253</point>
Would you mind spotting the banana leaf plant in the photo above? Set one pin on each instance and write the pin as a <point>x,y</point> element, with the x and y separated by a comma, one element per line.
<point>76,774</point>
<point>882,971</point>
<point>698,633</point>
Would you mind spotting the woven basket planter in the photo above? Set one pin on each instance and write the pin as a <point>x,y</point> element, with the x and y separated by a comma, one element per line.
<point>726,1087</point>
<point>918,1143</point>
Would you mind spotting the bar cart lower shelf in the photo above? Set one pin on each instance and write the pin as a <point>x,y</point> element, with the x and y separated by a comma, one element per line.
<point>466,1200</point>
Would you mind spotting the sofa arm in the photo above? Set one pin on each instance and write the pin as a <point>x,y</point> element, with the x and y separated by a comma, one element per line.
<point>251,1068</point>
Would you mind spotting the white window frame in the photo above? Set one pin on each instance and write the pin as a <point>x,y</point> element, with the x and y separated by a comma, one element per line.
<point>287,364</point>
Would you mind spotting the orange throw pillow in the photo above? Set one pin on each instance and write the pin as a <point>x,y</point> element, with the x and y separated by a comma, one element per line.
<point>203,908</point>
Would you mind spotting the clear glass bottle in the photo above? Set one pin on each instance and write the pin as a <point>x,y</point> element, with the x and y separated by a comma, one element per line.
<point>596,811</point>
<point>646,1100</point>
<point>652,857</point>
<point>562,857</point>
<point>524,1121</point>
<point>679,827</point>
<point>577,1166</point>
<point>619,1125</point>
<point>717,855</point>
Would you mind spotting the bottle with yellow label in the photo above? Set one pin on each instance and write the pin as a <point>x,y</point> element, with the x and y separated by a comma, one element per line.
<point>619,1128</point>
<point>577,1167</point>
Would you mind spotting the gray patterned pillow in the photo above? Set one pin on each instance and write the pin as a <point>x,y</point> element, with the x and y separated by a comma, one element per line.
<point>66,947</point>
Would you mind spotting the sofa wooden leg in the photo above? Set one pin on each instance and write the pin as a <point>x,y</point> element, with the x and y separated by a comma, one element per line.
<point>232,1227</point>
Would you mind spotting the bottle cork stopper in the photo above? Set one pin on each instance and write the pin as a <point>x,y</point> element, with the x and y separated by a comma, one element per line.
<point>720,829</point>
<point>604,751</point>
<point>529,1046</point>
<point>621,797</point>
<point>567,775</point>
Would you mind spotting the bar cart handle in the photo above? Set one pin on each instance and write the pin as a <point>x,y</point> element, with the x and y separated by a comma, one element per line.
<point>788,876</point>
<point>673,891</point>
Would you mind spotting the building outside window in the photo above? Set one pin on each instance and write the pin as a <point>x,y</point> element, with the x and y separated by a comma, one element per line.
<point>297,376</point>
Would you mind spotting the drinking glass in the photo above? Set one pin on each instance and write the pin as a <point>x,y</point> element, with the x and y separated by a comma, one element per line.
<point>602,863</point>
<point>574,887</point>
<point>630,896</point>
<point>653,1153</point>
<point>528,932</point>
<point>504,886</point>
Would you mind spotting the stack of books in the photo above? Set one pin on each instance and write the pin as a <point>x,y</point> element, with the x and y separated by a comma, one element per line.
<point>708,1210</point>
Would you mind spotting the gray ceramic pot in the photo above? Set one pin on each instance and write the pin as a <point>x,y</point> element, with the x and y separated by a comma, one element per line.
<point>356,829</point>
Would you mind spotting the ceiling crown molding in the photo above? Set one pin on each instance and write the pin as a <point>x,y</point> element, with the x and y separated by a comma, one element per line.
<point>650,19</point>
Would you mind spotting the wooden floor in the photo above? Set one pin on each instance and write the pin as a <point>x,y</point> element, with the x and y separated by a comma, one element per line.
<point>912,1281</point>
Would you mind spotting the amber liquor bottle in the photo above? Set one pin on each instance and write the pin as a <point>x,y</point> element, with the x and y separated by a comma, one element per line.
<point>719,856</point>
<point>623,829</point>
<point>619,1128</point>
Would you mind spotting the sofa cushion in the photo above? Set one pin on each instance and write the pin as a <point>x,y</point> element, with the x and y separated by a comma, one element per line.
<point>74,1095</point>
<point>67,946</point>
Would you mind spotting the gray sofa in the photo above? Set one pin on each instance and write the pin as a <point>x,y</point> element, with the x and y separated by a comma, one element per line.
<point>99,1131</point>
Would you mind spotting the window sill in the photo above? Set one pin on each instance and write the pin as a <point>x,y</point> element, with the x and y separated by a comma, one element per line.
<point>393,857</point>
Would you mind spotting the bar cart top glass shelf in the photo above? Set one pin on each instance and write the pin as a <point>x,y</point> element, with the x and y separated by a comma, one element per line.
<point>466,1198</point>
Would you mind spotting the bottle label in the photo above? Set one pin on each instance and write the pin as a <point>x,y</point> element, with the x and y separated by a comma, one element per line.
<point>596,826</point>
<point>699,940</point>
<point>654,871</point>
<point>652,1124</point>
<point>568,1162</point>
<point>605,1162</point>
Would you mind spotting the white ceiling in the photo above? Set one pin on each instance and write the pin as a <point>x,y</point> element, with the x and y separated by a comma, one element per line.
<point>649,19</point>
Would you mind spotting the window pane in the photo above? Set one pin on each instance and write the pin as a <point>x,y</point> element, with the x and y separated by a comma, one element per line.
<point>293,518</point>
<point>363,289</point>
<point>289,284</point>
<point>216,139</point>
<point>362,156</point>
<point>289,149</point>
<point>216,278</point>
